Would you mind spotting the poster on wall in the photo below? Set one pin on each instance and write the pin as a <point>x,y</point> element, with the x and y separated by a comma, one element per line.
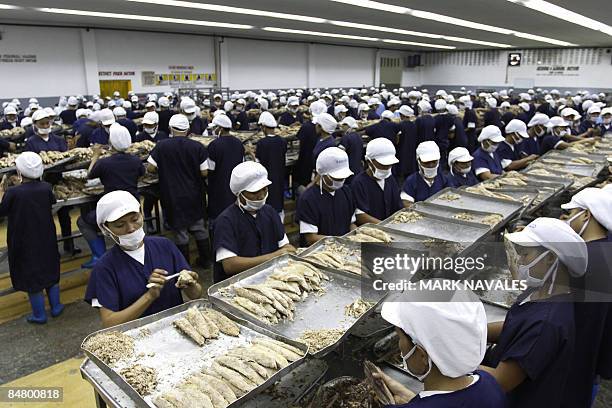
<point>560,70</point>
<point>18,58</point>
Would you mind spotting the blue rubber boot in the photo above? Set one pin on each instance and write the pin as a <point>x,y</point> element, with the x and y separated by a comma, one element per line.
<point>37,302</point>
<point>98,247</point>
<point>53,293</point>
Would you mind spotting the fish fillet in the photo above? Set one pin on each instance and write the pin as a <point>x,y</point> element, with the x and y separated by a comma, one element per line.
<point>241,367</point>
<point>252,307</point>
<point>218,400</point>
<point>219,385</point>
<point>285,345</point>
<point>281,362</point>
<point>288,354</point>
<point>282,286</point>
<point>251,295</point>
<point>160,402</point>
<point>261,357</point>
<point>212,327</point>
<point>186,328</point>
<point>358,237</point>
<point>197,321</point>
<point>225,324</point>
<point>378,234</point>
<point>233,378</point>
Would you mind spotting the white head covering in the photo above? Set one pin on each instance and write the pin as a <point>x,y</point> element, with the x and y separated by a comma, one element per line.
<point>105,116</point>
<point>539,119</point>
<point>317,108</point>
<point>440,104</point>
<point>452,109</point>
<point>188,105</point>
<point>492,133</point>
<point>267,119</point>
<point>424,106</point>
<point>387,115</point>
<point>382,150</point>
<point>597,201</point>
<point>150,118</point>
<point>517,126</point>
<point>350,122</point>
<point>27,121</point>
<point>327,122</point>
<point>30,165</point>
<point>333,162</point>
<point>10,110</point>
<point>115,205</point>
<point>222,121</point>
<point>428,151</point>
<point>179,122</point>
<point>119,137</point>
<point>453,330</point>
<point>492,102</point>
<point>248,176</point>
<point>228,106</point>
<point>119,111</point>
<point>339,108</point>
<point>460,154</point>
<point>406,110</point>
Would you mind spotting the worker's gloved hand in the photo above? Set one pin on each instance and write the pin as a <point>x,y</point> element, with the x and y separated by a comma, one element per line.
<point>158,278</point>
<point>401,394</point>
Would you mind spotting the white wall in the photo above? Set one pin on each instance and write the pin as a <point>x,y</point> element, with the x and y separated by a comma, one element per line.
<point>335,66</point>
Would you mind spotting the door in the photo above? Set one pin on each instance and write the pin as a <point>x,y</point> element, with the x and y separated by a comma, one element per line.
<point>391,72</point>
<point>108,86</point>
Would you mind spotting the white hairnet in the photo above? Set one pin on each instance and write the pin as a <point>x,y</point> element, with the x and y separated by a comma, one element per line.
<point>30,165</point>
<point>267,119</point>
<point>598,204</point>
<point>424,106</point>
<point>119,137</point>
<point>115,205</point>
<point>317,108</point>
<point>223,121</point>
<point>248,176</point>
<point>350,122</point>
<point>327,122</point>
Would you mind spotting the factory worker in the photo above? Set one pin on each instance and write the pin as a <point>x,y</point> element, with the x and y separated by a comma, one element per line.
<point>524,112</point>
<point>429,179</point>
<point>589,213</point>
<point>327,207</point>
<point>121,118</point>
<point>425,123</point>
<point>340,112</point>
<point>547,107</point>
<point>537,127</point>
<point>374,104</point>
<point>606,121</point>
<point>118,282</point>
<point>10,118</point>
<point>129,113</point>
<point>509,151</point>
<point>119,171</point>
<point>440,105</point>
<point>43,139</point>
<point>533,348</point>
<point>135,102</point>
<point>507,114</point>
<point>470,121</point>
<point>68,115</point>
<point>442,124</point>
<point>271,152</point>
<point>307,135</point>
<point>150,129</point>
<point>116,95</point>
<point>559,131</point>
<point>487,163</point>
<point>325,125</point>
<point>352,143</point>
<point>181,164</point>
<point>84,127</point>
<point>34,262</point>
<point>217,102</point>
<point>375,192</point>
<point>385,128</point>
<point>150,106</point>
<point>228,106</point>
<point>460,165</point>
<point>442,339</point>
<point>196,124</point>
<point>363,110</point>
<point>492,116</point>
<point>393,106</point>
<point>456,133</point>
<point>165,113</point>
<point>100,135</point>
<point>291,115</point>
<point>224,153</point>
<point>249,231</point>
<point>238,116</point>
<point>571,116</point>
<point>406,147</point>
<point>590,119</point>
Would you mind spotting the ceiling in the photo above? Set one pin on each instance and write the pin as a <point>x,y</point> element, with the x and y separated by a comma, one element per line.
<point>500,13</point>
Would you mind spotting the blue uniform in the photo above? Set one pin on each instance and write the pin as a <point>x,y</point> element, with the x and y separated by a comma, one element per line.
<point>529,146</point>
<point>287,118</point>
<point>604,128</point>
<point>548,142</point>
<point>226,152</point>
<point>426,128</point>
<point>129,125</point>
<point>442,123</point>
<point>372,115</point>
<point>385,128</point>
<point>353,146</point>
<point>5,124</point>
<point>546,109</point>
<point>492,117</point>
<point>484,393</point>
<point>240,121</point>
<point>142,136</point>
<point>120,171</point>
<point>247,236</point>
<point>406,150</point>
<point>469,117</point>
<point>539,336</point>
<point>99,136</point>
<point>179,160</point>
<point>308,138</point>
<point>54,144</point>
<point>332,214</point>
<point>79,122</point>
<point>321,145</point>
<point>505,119</point>
<point>197,126</point>
<point>459,180</point>
<point>460,139</point>
<point>507,152</point>
<point>68,116</point>
<point>118,280</point>
<point>164,119</point>
<point>271,151</point>
<point>84,131</point>
<point>484,159</point>
<point>586,125</point>
<point>372,200</point>
<point>417,188</point>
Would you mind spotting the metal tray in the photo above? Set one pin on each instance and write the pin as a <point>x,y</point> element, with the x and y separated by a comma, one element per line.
<point>354,249</point>
<point>450,212</point>
<point>59,163</point>
<point>470,201</point>
<point>315,312</point>
<point>564,154</point>
<point>177,356</point>
<point>434,226</point>
<point>581,170</point>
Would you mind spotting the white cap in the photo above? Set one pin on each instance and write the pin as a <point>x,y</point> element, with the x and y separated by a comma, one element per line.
<point>223,121</point>
<point>491,133</point>
<point>517,126</point>
<point>460,154</point>
<point>179,122</point>
<point>393,102</point>
<point>317,108</point>
<point>556,121</point>
<point>115,205</point>
<point>10,110</point>
<point>228,106</point>
<point>248,176</point>
<point>41,114</point>
<point>538,119</point>
<point>350,122</point>
<point>374,101</point>
<point>406,110</point>
<point>594,109</point>
<point>32,100</point>
<point>387,115</point>
<point>293,101</point>
<point>150,104</point>
<point>558,237</point>
<point>163,101</point>
<point>119,137</point>
<point>150,118</point>
<point>363,107</point>
<point>30,165</point>
<point>424,106</point>
<point>267,119</point>
<point>606,111</point>
<point>450,326</point>
<point>72,101</point>
<point>134,98</point>
<point>505,104</point>
<point>339,108</point>
<point>441,92</point>
<point>452,109</point>
<point>240,102</point>
<point>111,104</point>
<point>27,121</point>
<point>525,106</point>
<point>598,204</point>
<point>440,104</point>
<point>81,112</point>
<point>116,93</point>
<point>327,122</point>
<point>127,105</point>
<point>492,102</point>
<point>119,111</point>
<point>570,111</point>
<point>428,151</point>
<point>333,162</point>
<point>106,117</point>
<point>188,105</point>
<point>382,150</point>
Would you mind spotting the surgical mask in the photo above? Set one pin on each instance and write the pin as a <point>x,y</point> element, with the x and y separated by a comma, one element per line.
<point>380,174</point>
<point>253,205</point>
<point>335,184</point>
<point>523,273</point>
<point>43,131</point>
<point>11,120</point>
<point>539,131</point>
<point>129,241</point>
<point>562,133</point>
<point>405,358</point>
<point>292,110</point>
<point>594,118</point>
<point>464,170</point>
<point>191,116</point>
<point>429,172</point>
<point>491,148</point>
<point>151,131</point>
<point>239,108</point>
<point>583,228</point>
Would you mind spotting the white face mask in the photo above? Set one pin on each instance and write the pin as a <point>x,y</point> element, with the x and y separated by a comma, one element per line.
<point>464,170</point>
<point>43,131</point>
<point>523,273</point>
<point>380,174</point>
<point>584,226</point>
<point>130,241</point>
<point>335,184</point>
<point>253,205</point>
<point>429,172</point>
<point>191,116</point>
<point>405,358</point>
<point>561,133</point>
<point>491,148</point>
<point>151,131</point>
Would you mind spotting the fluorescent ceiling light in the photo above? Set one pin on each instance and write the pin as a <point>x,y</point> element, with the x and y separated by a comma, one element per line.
<point>318,34</point>
<point>8,7</point>
<point>445,47</point>
<point>418,34</point>
<point>144,18</point>
<point>440,18</point>
<point>564,14</point>
<point>229,9</point>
